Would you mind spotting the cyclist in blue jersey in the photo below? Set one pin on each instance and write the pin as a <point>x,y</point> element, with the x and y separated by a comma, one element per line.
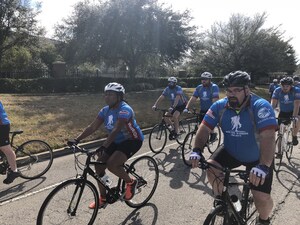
<point>208,93</point>
<point>296,81</point>
<point>124,140</point>
<point>178,102</point>
<point>5,147</point>
<point>248,123</point>
<point>273,86</point>
<point>288,97</point>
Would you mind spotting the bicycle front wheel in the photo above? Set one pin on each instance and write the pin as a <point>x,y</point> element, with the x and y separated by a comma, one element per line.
<point>68,204</point>
<point>290,146</point>
<point>158,138</point>
<point>187,147</point>
<point>184,129</point>
<point>145,171</point>
<point>34,159</point>
<point>278,154</point>
<point>214,139</point>
<point>218,216</point>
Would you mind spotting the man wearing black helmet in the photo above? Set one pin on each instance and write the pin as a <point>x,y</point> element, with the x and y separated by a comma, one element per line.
<point>248,123</point>
<point>273,86</point>
<point>288,97</point>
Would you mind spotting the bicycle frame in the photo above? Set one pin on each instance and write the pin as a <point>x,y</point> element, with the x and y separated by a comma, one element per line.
<point>225,201</point>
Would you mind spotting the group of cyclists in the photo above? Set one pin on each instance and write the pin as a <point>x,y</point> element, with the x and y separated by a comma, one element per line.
<point>248,123</point>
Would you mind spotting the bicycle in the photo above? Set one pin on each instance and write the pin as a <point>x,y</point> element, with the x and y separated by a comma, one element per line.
<point>69,201</point>
<point>212,143</point>
<point>284,142</point>
<point>34,157</point>
<point>158,134</point>
<point>229,208</point>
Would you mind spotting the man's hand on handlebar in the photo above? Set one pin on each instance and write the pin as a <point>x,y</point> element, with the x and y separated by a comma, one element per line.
<point>72,142</point>
<point>195,157</point>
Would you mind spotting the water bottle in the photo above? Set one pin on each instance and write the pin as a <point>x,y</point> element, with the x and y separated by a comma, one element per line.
<point>106,179</point>
<point>236,203</point>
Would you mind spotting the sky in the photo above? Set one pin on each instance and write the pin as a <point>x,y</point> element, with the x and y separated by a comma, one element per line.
<point>284,14</point>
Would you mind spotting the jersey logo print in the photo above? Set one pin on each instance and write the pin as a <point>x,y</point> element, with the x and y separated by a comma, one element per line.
<point>172,96</point>
<point>235,122</point>
<point>110,122</point>
<point>286,98</point>
<point>204,94</point>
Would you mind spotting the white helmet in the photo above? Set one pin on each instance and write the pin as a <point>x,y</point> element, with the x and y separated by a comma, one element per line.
<point>206,75</point>
<point>172,79</point>
<point>114,87</point>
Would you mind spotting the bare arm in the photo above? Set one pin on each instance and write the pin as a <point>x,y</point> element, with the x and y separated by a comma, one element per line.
<point>90,129</point>
<point>267,146</point>
<point>274,102</point>
<point>191,102</point>
<point>160,98</point>
<point>296,107</point>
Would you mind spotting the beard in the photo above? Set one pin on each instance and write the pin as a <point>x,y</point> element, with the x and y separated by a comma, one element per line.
<point>233,102</point>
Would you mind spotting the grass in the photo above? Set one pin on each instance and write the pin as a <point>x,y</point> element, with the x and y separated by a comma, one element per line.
<point>55,118</point>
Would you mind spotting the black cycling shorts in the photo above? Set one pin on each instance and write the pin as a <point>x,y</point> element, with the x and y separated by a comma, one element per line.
<point>283,116</point>
<point>128,147</point>
<point>226,160</point>
<point>4,135</point>
<point>178,108</point>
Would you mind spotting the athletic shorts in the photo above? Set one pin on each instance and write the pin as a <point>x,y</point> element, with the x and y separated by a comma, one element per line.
<point>179,109</point>
<point>226,160</point>
<point>4,135</point>
<point>283,116</point>
<point>128,147</point>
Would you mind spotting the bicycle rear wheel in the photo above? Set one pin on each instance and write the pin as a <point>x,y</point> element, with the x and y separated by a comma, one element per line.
<point>34,159</point>
<point>68,204</point>
<point>187,147</point>
<point>278,154</point>
<point>290,145</point>
<point>145,170</point>
<point>184,129</point>
<point>218,216</point>
<point>214,139</point>
<point>158,138</point>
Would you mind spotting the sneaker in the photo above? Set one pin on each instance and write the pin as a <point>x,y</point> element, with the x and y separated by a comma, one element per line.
<point>102,203</point>
<point>259,221</point>
<point>213,137</point>
<point>295,140</point>
<point>11,176</point>
<point>130,189</point>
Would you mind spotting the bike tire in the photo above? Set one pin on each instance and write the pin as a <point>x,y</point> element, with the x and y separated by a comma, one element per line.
<point>187,148</point>
<point>278,154</point>
<point>34,159</point>
<point>184,129</point>
<point>214,144</point>
<point>218,216</point>
<point>289,151</point>
<point>158,138</point>
<point>58,205</point>
<point>145,170</point>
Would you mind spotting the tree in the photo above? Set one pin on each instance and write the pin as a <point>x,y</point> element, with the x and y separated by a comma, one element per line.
<point>242,44</point>
<point>18,25</point>
<point>130,31</point>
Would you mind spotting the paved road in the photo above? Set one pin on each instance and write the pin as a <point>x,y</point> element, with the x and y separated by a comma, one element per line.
<point>182,196</point>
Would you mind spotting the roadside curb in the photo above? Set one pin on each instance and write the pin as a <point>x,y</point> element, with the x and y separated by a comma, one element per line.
<point>91,144</point>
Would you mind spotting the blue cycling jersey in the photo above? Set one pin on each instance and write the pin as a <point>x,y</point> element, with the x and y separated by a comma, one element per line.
<point>286,100</point>
<point>206,95</point>
<point>272,87</point>
<point>129,132</point>
<point>3,116</point>
<point>241,128</point>
<point>171,93</point>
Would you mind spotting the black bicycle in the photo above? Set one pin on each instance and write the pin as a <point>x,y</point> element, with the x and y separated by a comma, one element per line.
<point>34,157</point>
<point>212,144</point>
<point>68,202</point>
<point>231,208</point>
<point>284,142</point>
<point>158,135</point>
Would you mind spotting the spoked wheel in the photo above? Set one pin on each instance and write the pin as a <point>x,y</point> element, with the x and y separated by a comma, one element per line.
<point>218,216</point>
<point>187,147</point>
<point>145,170</point>
<point>158,138</point>
<point>184,129</point>
<point>214,140</point>
<point>278,154</point>
<point>68,204</point>
<point>34,159</point>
